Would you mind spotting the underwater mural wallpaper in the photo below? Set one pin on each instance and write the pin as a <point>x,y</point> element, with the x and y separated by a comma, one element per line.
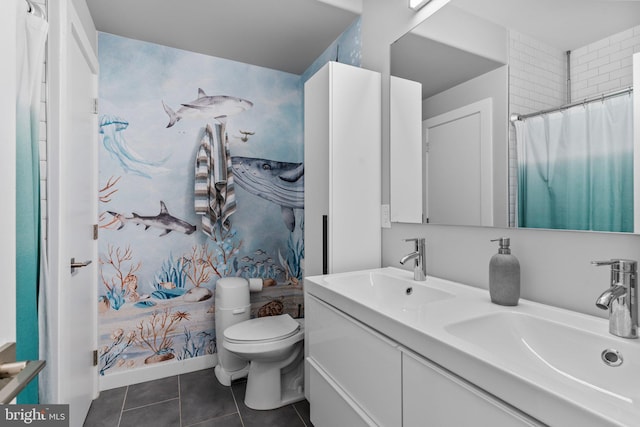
<point>201,177</point>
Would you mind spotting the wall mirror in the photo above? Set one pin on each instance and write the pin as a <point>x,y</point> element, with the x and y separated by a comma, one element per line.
<point>475,63</point>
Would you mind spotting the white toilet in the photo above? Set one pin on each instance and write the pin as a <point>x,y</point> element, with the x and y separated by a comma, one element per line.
<point>274,347</point>
<point>271,346</point>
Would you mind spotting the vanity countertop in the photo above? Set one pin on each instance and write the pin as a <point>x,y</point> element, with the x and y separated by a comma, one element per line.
<point>544,360</point>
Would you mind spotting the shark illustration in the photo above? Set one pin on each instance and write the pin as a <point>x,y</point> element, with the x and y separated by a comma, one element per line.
<point>205,107</point>
<point>279,182</point>
<point>163,220</point>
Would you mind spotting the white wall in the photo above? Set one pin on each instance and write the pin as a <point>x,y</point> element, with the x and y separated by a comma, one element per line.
<point>87,22</point>
<point>555,264</point>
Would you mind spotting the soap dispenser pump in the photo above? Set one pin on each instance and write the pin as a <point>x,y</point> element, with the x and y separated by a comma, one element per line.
<point>504,275</point>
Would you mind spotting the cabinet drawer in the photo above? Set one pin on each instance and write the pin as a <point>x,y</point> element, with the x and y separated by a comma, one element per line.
<point>365,364</point>
<point>331,406</point>
<point>434,396</point>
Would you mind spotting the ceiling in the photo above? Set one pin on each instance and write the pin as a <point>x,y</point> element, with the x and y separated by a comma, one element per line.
<point>285,35</point>
<point>564,24</point>
<point>288,35</point>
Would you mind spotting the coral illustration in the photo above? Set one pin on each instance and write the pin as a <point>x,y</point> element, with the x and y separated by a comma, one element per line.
<point>109,189</point>
<point>206,345</point>
<point>198,264</point>
<point>111,354</point>
<point>104,196</point>
<point>154,334</point>
<point>122,281</point>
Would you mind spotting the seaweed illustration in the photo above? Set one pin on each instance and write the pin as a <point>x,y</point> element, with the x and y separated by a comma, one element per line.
<point>172,274</point>
<point>292,263</point>
<point>122,282</point>
<point>295,256</point>
<point>104,196</point>
<point>222,262</point>
<point>154,334</point>
<point>111,354</point>
<point>206,345</point>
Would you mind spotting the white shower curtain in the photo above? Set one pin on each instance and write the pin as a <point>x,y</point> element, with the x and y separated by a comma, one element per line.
<point>30,42</point>
<point>575,167</point>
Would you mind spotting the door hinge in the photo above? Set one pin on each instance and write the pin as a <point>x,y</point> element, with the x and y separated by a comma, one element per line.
<point>95,231</point>
<point>95,357</point>
<point>95,105</point>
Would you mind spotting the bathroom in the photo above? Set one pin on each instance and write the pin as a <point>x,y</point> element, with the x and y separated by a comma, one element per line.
<point>555,265</point>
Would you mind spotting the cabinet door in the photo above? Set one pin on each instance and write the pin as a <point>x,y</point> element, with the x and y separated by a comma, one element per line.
<point>331,405</point>
<point>342,140</point>
<point>364,364</point>
<point>435,397</point>
<point>355,169</point>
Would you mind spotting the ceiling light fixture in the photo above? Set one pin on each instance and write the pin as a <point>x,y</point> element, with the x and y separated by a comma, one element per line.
<point>417,4</point>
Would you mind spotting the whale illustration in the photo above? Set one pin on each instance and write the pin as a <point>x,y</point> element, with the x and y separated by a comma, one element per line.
<point>279,182</point>
<point>205,107</point>
<point>163,220</point>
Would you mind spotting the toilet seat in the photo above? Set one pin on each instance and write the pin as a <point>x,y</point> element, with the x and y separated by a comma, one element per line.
<point>262,330</point>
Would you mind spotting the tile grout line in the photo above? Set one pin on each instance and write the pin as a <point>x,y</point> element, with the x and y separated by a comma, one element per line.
<point>150,404</point>
<point>126,392</point>
<point>299,415</point>
<point>237,407</point>
<point>179,402</point>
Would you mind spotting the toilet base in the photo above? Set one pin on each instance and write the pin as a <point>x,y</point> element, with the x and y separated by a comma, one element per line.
<point>270,388</point>
<point>225,377</point>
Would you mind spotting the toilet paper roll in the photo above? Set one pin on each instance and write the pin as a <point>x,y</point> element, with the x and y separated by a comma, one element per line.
<point>255,285</point>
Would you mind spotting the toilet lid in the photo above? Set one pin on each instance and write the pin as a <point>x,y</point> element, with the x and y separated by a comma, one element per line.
<point>263,329</point>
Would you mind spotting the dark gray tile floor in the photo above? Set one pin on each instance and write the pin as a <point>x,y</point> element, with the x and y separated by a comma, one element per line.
<point>193,399</point>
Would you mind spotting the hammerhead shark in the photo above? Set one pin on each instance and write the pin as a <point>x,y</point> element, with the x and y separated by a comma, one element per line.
<point>218,107</point>
<point>163,220</point>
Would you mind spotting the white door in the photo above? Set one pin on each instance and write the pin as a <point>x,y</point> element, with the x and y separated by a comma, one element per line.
<point>73,208</point>
<point>458,163</point>
<point>8,12</point>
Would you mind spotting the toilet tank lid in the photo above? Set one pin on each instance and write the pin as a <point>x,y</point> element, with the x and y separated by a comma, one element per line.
<point>262,328</point>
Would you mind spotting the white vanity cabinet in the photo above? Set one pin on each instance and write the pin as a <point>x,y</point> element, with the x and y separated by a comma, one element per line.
<point>354,372</point>
<point>342,168</point>
<point>359,377</point>
<point>434,396</point>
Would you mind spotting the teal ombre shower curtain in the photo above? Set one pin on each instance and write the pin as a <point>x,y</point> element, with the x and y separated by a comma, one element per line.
<point>575,167</point>
<point>31,37</point>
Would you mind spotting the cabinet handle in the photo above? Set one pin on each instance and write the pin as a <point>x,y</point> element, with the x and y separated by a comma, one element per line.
<point>325,244</point>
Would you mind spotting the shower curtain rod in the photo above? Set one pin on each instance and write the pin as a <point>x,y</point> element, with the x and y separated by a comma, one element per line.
<point>515,116</point>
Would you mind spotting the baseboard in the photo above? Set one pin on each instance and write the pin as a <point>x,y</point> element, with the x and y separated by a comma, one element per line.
<point>154,372</point>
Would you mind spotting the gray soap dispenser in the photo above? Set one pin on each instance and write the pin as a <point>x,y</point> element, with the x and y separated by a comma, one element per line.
<point>504,275</point>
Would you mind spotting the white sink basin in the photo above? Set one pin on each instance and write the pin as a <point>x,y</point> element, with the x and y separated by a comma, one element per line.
<point>545,361</point>
<point>556,351</point>
<point>385,292</point>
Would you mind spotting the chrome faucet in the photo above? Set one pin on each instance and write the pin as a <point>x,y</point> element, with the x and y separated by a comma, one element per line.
<point>621,299</point>
<point>420,266</point>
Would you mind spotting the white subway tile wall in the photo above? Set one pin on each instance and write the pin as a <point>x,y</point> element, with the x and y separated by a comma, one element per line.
<point>43,138</point>
<point>605,65</point>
